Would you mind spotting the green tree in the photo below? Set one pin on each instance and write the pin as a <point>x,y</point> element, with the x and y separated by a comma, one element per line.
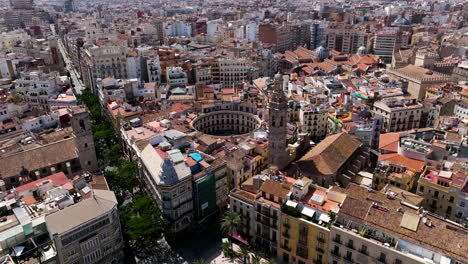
<point>202,261</point>
<point>256,258</point>
<point>143,225</point>
<point>15,98</point>
<point>123,179</point>
<point>230,222</point>
<point>226,248</point>
<point>112,155</point>
<point>332,216</point>
<point>244,254</point>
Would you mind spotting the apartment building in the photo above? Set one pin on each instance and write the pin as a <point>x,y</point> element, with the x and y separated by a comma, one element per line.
<point>103,62</point>
<point>169,180</point>
<point>313,120</point>
<point>233,71</point>
<point>375,227</point>
<point>442,191</point>
<point>399,113</point>
<point>305,223</point>
<point>387,41</point>
<point>89,231</point>
<point>37,87</point>
<point>461,109</point>
<point>345,38</point>
<point>259,200</point>
<point>153,65</point>
<point>275,34</point>
<point>176,77</point>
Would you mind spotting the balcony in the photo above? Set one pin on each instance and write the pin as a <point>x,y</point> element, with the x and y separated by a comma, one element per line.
<point>285,247</point>
<point>364,252</point>
<point>335,253</point>
<point>303,254</point>
<point>337,240</point>
<point>318,261</point>
<point>286,234</point>
<point>321,239</point>
<point>302,241</point>
<point>382,260</point>
<point>319,249</point>
<point>350,245</point>
<point>286,225</point>
<point>348,259</point>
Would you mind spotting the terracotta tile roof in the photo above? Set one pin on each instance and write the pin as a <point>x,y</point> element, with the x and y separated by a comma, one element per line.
<point>29,200</point>
<point>396,158</point>
<point>38,158</point>
<point>179,107</point>
<point>442,236</point>
<point>57,179</point>
<point>389,142</point>
<point>276,188</point>
<point>330,154</point>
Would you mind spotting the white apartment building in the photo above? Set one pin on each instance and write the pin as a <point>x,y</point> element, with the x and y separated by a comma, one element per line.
<point>461,109</point>
<point>232,71</point>
<point>177,28</point>
<point>89,231</point>
<point>388,40</point>
<point>37,87</point>
<point>35,124</point>
<point>313,121</point>
<point>399,113</point>
<point>176,77</point>
<point>134,67</point>
<point>103,62</point>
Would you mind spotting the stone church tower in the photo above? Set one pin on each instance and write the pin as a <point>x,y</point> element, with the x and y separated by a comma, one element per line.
<point>277,125</point>
<point>84,142</point>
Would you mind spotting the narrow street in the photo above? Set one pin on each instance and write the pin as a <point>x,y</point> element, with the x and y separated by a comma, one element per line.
<point>78,84</point>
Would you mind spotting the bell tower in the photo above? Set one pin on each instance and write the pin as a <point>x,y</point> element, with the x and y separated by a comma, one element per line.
<point>84,142</point>
<point>277,125</point>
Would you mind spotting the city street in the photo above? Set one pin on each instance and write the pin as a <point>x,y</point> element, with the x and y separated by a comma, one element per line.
<point>78,84</point>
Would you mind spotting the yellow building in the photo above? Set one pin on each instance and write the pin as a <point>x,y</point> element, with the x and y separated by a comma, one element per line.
<point>303,241</point>
<point>441,190</point>
<point>305,223</point>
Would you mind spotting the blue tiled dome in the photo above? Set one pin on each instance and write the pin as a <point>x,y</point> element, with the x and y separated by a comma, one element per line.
<point>322,52</point>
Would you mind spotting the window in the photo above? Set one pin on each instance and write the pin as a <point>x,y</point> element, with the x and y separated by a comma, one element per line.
<point>421,188</point>
<point>364,249</point>
<point>321,235</point>
<point>351,243</point>
<point>397,261</point>
<point>382,257</point>
<point>451,199</point>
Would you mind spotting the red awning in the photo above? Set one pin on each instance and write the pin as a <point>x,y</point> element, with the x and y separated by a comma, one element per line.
<point>237,237</point>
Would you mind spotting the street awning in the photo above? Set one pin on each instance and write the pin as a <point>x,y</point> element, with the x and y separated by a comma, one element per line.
<point>238,237</point>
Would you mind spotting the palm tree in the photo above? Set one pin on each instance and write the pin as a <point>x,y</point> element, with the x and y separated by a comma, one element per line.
<point>332,216</point>
<point>231,221</point>
<point>226,247</point>
<point>244,254</point>
<point>256,258</point>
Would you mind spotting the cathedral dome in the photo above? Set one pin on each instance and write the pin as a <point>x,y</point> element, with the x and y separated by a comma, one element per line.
<point>362,51</point>
<point>322,52</point>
